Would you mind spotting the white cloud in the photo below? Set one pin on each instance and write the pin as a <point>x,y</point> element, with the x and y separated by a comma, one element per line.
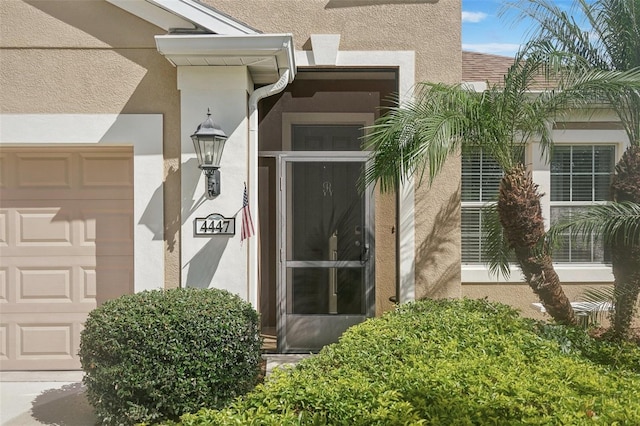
<point>473,17</point>
<point>505,49</point>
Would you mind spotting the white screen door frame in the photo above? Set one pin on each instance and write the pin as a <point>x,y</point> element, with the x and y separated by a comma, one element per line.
<point>305,326</point>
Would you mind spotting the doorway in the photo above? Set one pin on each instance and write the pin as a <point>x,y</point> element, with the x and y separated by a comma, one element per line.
<point>325,278</point>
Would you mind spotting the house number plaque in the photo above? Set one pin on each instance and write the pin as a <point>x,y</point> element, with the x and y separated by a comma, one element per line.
<point>214,224</point>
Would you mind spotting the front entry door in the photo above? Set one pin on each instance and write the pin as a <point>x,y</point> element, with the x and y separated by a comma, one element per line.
<point>326,274</point>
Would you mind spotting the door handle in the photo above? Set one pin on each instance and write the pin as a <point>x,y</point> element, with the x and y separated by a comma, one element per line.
<point>333,274</point>
<point>364,254</point>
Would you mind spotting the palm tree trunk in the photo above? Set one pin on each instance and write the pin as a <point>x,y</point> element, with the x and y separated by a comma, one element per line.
<point>626,257</point>
<point>626,272</point>
<point>521,218</point>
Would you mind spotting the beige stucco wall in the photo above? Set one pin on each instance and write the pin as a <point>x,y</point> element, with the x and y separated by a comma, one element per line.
<point>431,28</point>
<point>521,297</point>
<point>69,56</point>
<point>64,57</point>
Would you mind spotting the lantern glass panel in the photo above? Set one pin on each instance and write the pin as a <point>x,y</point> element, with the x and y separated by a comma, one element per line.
<point>207,152</point>
<point>218,147</point>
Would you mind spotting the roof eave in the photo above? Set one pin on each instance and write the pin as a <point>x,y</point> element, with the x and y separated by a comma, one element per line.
<point>184,14</point>
<point>266,55</point>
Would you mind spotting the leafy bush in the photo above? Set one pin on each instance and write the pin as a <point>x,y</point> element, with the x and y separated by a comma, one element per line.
<point>614,354</point>
<point>461,362</point>
<point>158,354</point>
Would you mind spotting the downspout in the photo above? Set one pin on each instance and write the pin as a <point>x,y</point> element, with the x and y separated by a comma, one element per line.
<point>257,96</point>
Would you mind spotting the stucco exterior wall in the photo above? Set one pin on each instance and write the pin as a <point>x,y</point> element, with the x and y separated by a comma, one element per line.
<point>431,28</point>
<point>521,297</point>
<point>221,261</point>
<point>69,57</point>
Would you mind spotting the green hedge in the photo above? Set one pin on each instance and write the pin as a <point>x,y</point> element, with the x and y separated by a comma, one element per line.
<point>156,355</point>
<point>462,362</point>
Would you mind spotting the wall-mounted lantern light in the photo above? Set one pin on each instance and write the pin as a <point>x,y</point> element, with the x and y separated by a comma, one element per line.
<point>208,141</point>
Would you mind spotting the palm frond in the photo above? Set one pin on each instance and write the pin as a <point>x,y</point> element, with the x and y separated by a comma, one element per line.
<point>578,31</point>
<point>602,300</point>
<point>598,294</point>
<point>419,136</point>
<point>598,35</point>
<point>497,248</point>
<point>613,222</point>
<point>416,138</point>
<point>605,297</point>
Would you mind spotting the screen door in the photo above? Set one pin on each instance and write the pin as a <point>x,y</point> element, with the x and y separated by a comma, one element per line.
<point>326,279</point>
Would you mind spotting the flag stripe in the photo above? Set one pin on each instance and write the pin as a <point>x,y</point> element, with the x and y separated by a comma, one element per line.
<point>247,223</point>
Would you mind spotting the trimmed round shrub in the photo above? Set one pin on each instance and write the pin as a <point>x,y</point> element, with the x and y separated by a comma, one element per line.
<point>447,362</point>
<point>155,355</point>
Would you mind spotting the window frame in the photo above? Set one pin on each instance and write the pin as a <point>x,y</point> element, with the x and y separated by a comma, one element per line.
<point>582,203</point>
<point>541,172</point>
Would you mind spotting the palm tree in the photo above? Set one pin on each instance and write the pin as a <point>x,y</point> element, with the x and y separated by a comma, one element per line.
<point>603,35</point>
<point>615,223</point>
<point>418,137</point>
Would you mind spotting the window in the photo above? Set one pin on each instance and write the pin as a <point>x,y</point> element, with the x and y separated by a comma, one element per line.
<point>580,177</point>
<point>480,181</point>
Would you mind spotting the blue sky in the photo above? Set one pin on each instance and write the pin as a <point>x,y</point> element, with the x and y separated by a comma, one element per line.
<point>484,31</point>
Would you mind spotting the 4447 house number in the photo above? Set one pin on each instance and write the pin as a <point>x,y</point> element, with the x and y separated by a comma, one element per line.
<point>214,224</point>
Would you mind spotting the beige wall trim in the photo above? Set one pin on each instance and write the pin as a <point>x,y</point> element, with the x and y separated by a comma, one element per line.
<point>405,62</point>
<point>325,48</point>
<point>144,132</point>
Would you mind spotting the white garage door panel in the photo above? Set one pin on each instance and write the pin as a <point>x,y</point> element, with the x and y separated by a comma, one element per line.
<point>114,277</point>
<point>43,287</point>
<point>73,228</point>
<point>41,341</point>
<point>108,226</point>
<point>66,245</point>
<point>3,286</point>
<point>68,172</point>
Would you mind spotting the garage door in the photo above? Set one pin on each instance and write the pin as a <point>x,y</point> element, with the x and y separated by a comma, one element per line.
<point>66,245</point>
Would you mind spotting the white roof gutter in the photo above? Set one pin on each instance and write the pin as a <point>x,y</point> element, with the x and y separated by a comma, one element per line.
<point>263,92</point>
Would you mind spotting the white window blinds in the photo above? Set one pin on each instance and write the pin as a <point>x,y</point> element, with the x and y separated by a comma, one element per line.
<point>580,177</point>
<point>480,181</point>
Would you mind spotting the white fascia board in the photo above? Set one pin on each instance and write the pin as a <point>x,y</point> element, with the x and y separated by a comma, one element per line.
<point>211,45</point>
<point>184,14</point>
<point>204,17</point>
<point>153,14</point>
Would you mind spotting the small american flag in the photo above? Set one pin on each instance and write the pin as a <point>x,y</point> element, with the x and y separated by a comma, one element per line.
<point>247,223</point>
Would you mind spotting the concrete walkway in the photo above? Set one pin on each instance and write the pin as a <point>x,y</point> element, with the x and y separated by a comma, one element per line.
<point>44,398</point>
<point>57,397</point>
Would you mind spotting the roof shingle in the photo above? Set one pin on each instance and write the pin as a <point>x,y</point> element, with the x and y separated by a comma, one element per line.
<point>484,67</point>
